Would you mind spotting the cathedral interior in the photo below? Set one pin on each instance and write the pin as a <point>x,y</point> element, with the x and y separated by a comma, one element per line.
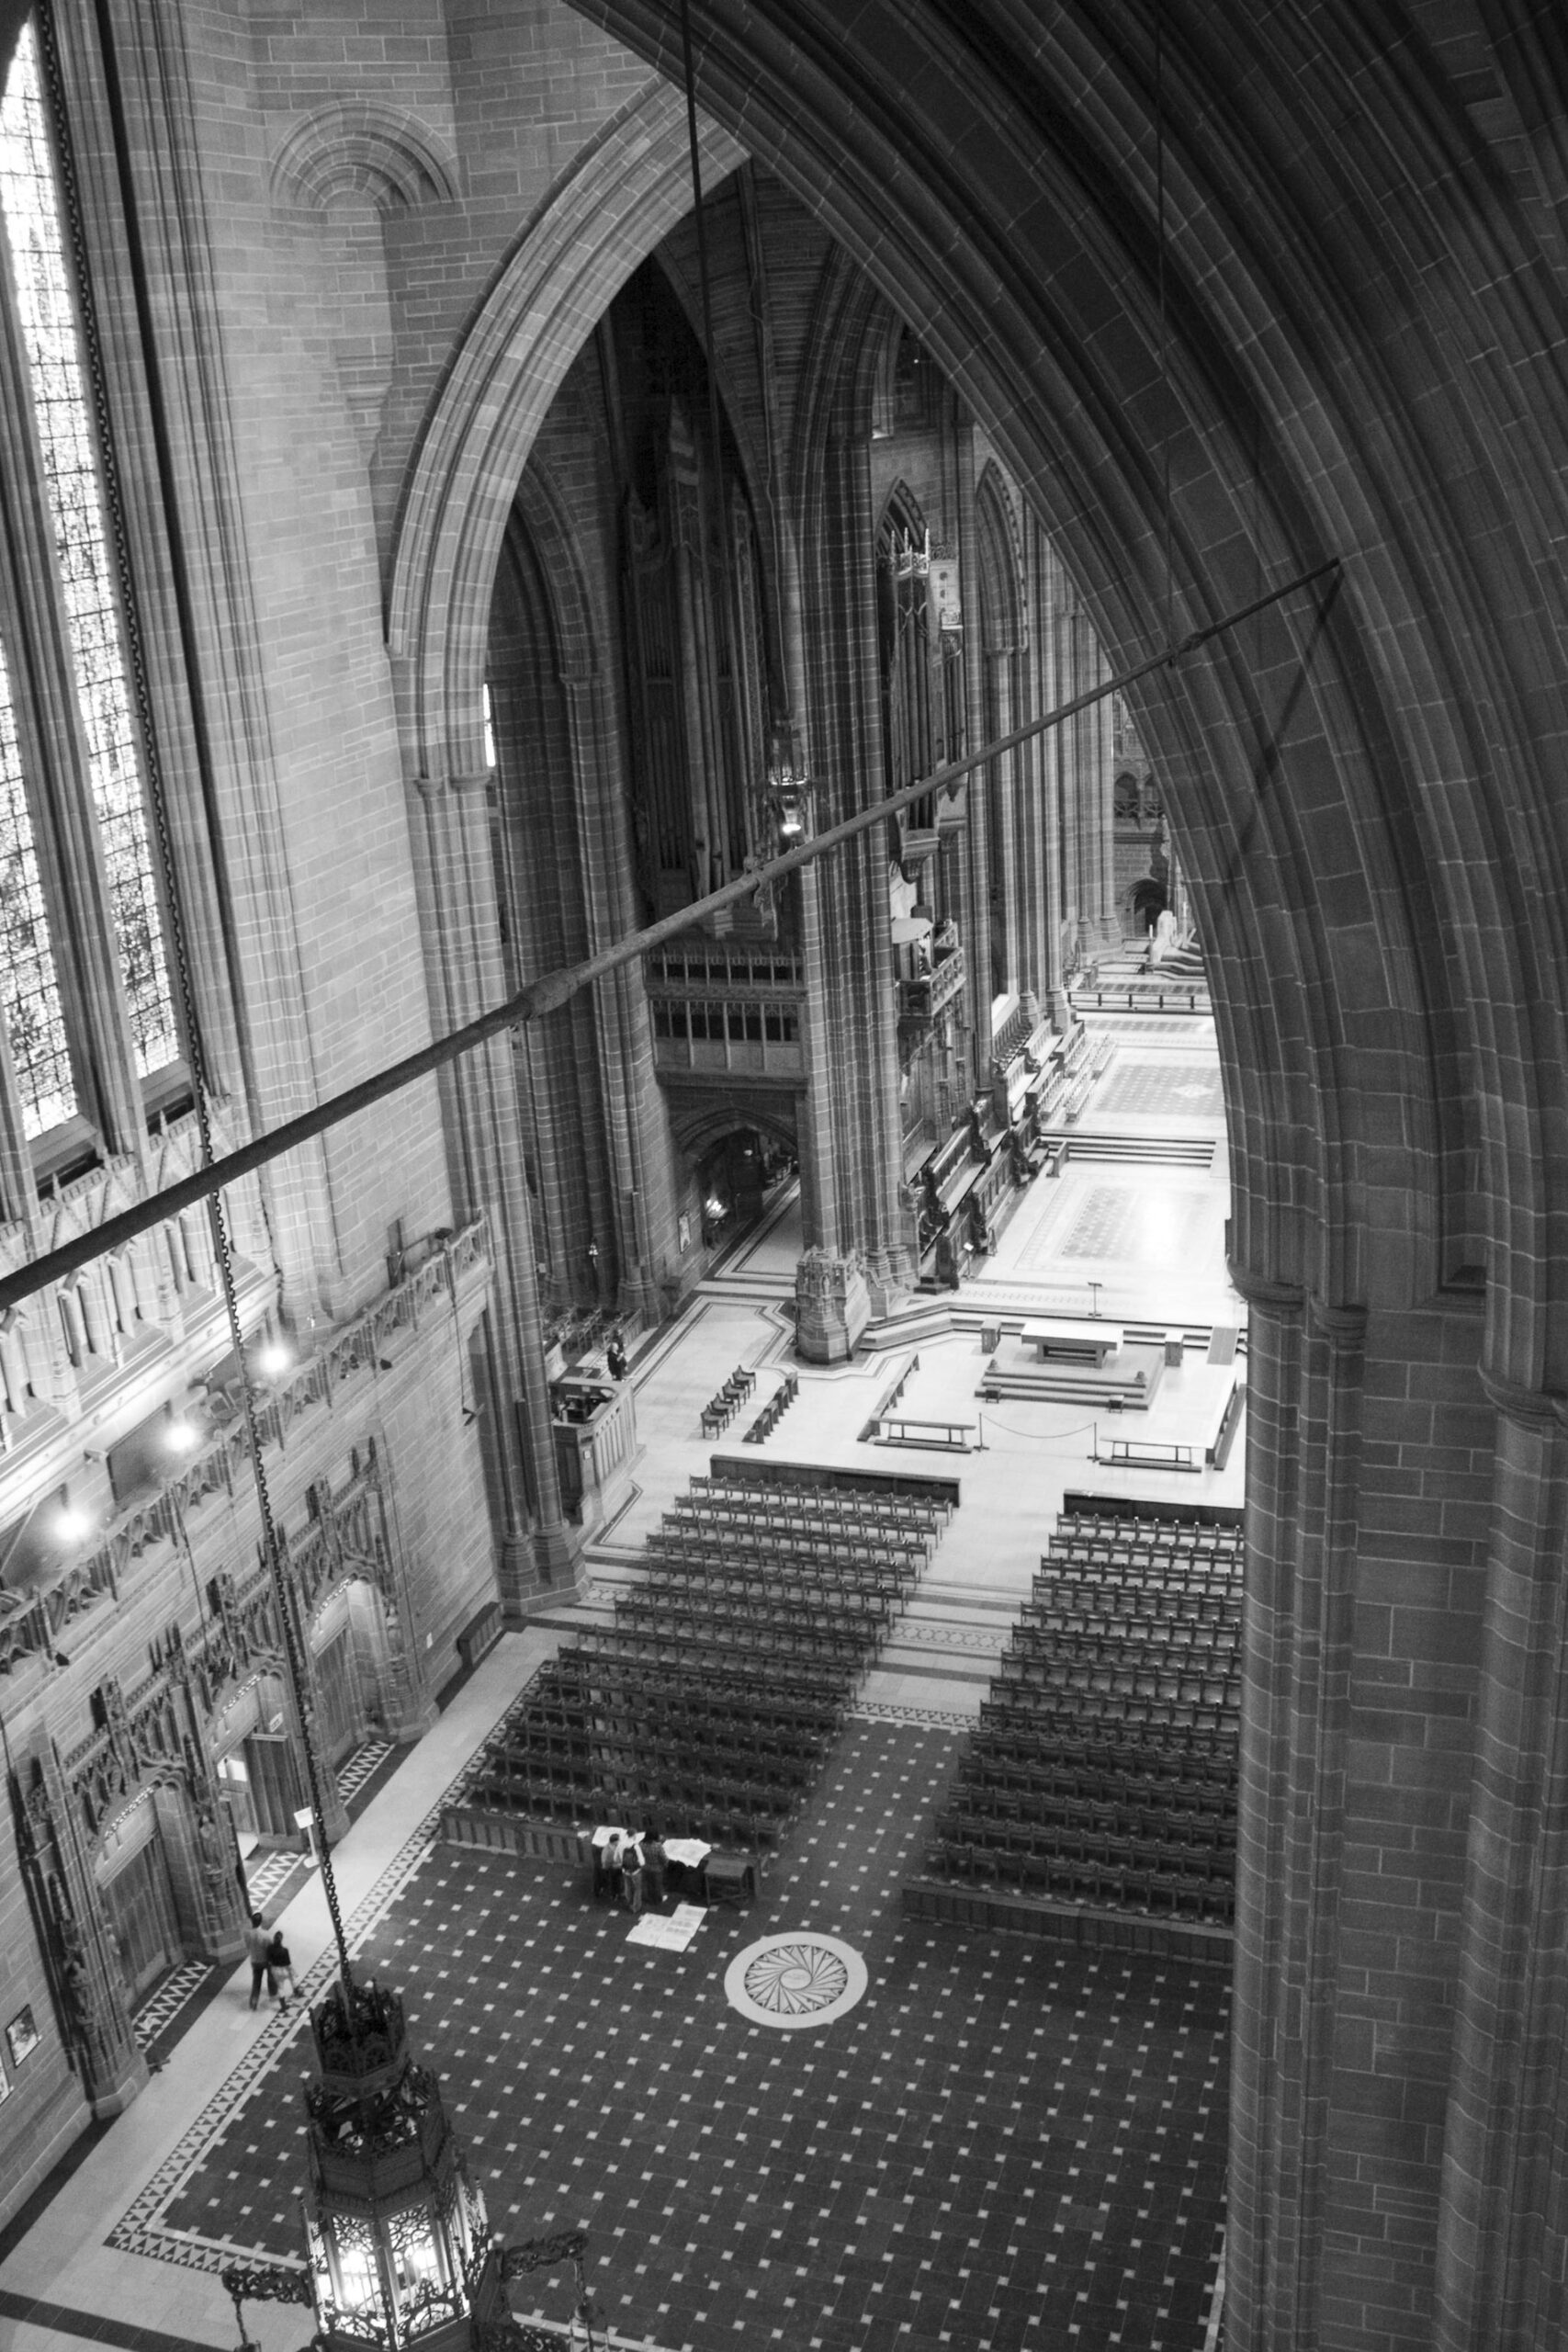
<point>952,611</point>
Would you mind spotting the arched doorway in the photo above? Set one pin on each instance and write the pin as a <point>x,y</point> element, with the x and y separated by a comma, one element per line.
<point>1149,902</point>
<point>738,1176</point>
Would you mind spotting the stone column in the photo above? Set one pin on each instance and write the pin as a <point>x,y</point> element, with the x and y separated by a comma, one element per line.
<point>974,928</point>
<point>1503,2219</point>
<point>623,1033</point>
<point>851,1035</point>
<point>452,835</point>
<point>1304,1404</point>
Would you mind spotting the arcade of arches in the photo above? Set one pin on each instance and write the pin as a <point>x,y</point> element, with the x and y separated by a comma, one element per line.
<point>424,560</point>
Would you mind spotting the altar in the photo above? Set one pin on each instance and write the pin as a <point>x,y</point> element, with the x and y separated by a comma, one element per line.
<point>1072,1339</point>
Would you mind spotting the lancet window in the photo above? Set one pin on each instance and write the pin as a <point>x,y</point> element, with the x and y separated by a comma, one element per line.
<point>86,981</point>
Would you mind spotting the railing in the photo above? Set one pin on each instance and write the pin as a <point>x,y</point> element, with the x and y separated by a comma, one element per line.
<point>153,1291</point>
<point>760,1035</point>
<point>712,969</point>
<point>923,999</point>
<point>31,1626</point>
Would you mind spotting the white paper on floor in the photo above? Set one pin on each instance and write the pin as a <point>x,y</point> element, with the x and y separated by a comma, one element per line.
<point>672,1934</point>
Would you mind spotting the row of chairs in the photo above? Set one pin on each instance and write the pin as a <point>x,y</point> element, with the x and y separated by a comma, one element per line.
<point>1129,1601</point>
<point>773,1410</point>
<point>1075,1681</point>
<point>1170,1891</point>
<point>795,1480</point>
<point>1221,1547</point>
<point>1090,1633</point>
<point>668,1574</point>
<point>1018,1714</point>
<point>1138,1566</point>
<point>721,1410</point>
<point>830,1533</point>
<point>876,1564</point>
<point>1148,1526</point>
<point>737,1502</point>
<point>1210,1814</point>
<point>1145,1825</point>
<point>1087,1632</point>
<point>1043,1756</point>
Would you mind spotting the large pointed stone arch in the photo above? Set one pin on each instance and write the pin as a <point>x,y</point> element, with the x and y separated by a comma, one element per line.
<point>602,220</point>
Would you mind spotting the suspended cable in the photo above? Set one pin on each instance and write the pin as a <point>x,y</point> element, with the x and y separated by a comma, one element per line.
<point>555,988</point>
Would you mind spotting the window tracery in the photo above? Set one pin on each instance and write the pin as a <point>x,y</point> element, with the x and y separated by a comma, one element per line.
<point>29,985</point>
<point>48,325</point>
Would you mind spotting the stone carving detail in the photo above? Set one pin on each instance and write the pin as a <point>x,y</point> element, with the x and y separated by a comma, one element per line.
<point>79,1959</point>
<point>832,1304</point>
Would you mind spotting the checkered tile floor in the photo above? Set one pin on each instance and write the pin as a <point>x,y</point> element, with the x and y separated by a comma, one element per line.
<point>1003,2145</point>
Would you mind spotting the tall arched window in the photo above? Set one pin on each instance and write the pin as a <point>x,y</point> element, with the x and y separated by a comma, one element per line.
<point>85,987</point>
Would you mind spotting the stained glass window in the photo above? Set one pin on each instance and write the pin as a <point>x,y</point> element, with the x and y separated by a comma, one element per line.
<point>47,319</point>
<point>29,993</point>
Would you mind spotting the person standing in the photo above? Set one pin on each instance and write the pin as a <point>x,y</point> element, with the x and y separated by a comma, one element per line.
<point>652,1866</point>
<point>631,1880</point>
<point>259,1952</point>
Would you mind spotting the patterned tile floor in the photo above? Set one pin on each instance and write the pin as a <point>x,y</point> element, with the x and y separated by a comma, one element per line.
<point>1121,1221</point>
<point>1156,1091</point>
<point>1003,2145</point>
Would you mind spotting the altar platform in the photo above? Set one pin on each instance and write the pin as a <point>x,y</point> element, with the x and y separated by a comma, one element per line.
<point>1114,1378</point>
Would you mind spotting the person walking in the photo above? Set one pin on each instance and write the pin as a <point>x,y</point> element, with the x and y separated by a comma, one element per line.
<point>280,1969</point>
<point>259,1952</point>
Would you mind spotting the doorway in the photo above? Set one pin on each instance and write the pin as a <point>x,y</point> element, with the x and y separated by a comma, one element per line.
<point>138,1903</point>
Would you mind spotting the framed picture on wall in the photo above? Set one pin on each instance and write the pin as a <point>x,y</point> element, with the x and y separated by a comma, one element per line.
<point>21,2039</point>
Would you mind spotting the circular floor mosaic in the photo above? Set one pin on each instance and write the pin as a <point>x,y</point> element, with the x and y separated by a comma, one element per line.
<point>795,1981</point>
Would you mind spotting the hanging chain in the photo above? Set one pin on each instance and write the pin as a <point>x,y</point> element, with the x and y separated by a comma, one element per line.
<point>157,801</point>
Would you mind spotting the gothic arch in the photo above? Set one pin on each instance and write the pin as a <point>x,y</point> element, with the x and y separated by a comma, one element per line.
<point>1057,359</point>
<point>1003,623</point>
<point>605,216</point>
<point>696,1129</point>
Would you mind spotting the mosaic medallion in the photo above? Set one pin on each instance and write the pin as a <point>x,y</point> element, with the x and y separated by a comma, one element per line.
<point>795,1981</point>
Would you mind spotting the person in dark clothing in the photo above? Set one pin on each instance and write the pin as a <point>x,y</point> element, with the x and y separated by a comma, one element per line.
<point>652,1865</point>
<point>280,1968</point>
<point>259,1952</point>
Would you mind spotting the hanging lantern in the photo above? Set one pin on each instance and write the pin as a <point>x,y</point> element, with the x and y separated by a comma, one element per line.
<point>397,2236</point>
<point>398,2243</point>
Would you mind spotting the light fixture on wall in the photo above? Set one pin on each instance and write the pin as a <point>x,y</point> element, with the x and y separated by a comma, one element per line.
<point>790,792</point>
